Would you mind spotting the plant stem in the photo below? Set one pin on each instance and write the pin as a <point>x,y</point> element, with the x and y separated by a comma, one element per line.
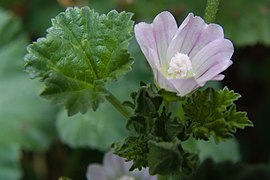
<point>118,105</point>
<point>211,10</point>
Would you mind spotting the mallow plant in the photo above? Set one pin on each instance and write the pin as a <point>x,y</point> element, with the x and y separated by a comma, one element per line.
<point>83,51</point>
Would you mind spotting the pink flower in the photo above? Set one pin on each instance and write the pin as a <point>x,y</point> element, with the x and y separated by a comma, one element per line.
<point>184,58</point>
<point>116,168</point>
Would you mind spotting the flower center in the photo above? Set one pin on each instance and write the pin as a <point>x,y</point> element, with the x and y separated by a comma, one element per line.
<point>180,66</point>
<point>126,177</point>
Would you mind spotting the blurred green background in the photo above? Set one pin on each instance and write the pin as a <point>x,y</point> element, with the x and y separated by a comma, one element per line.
<point>38,140</point>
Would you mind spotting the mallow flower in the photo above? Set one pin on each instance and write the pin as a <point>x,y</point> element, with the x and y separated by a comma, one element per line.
<point>116,168</point>
<point>184,58</point>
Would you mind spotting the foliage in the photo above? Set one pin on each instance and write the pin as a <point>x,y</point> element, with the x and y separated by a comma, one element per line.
<point>86,51</point>
<point>92,129</point>
<point>22,120</point>
<point>213,113</point>
<point>156,136</point>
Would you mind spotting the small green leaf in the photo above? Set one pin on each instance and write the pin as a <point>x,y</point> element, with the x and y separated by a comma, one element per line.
<point>80,54</point>
<point>147,101</point>
<point>164,157</point>
<point>146,106</point>
<point>133,149</point>
<point>213,113</point>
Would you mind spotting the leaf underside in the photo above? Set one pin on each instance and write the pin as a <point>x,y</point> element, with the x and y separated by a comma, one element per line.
<point>81,52</point>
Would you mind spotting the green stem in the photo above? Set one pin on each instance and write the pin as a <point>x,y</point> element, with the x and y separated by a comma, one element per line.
<point>211,10</point>
<point>118,106</point>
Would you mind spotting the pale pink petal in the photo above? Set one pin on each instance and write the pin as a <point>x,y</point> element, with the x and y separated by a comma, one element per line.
<point>186,36</point>
<point>156,36</point>
<point>179,86</point>
<point>218,77</point>
<point>143,174</point>
<point>163,82</point>
<point>164,28</point>
<point>96,172</point>
<point>216,52</point>
<point>205,45</point>
<point>145,37</point>
<point>213,71</point>
<point>210,33</point>
<point>113,165</point>
<point>184,86</point>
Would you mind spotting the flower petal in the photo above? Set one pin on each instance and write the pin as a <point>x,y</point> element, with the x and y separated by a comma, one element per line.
<point>163,82</point>
<point>113,165</point>
<point>185,36</point>
<point>218,77</point>
<point>179,86</point>
<point>145,37</point>
<point>95,172</point>
<point>184,86</point>
<point>212,73</point>
<point>209,33</point>
<point>216,54</point>
<point>156,36</point>
<point>143,174</point>
<point>193,35</point>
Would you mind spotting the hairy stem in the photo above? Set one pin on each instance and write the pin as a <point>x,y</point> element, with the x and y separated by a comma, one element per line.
<point>118,106</point>
<point>211,10</point>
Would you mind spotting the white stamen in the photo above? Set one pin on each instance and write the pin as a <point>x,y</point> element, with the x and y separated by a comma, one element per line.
<point>180,66</point>
<point>126,177</point>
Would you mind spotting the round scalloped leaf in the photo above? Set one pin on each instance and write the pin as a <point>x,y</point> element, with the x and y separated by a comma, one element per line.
<point>81,52</point>
<point>94,129</point>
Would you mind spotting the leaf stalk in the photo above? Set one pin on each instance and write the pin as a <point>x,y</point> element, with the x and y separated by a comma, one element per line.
<point>118,105</point>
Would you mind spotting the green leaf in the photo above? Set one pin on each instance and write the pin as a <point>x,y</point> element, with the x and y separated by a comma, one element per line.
<point>80,54</point>
<point>12,44</point>
<point>146,105</point>
<point>21,111</point>
<point>94,129</point>
<point>26,121</point>
<point>164,157</point>
<point>212,113</point>
<point>236,16</point>
<point>223,151</point>
<point>30,119</point>
<point>9,162</point>
<point>147,101</point>
<point>133,149</point>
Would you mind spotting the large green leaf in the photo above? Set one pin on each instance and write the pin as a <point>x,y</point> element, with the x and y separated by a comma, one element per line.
<point>9,162</point>
<point>105,122</point>
<point>21,111</point>
<point>97,129</point>
<point>81,52</point>
<point>246,23</point>
<point>12,44</point>
<point>26,121</point>
<point>223,151</point>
